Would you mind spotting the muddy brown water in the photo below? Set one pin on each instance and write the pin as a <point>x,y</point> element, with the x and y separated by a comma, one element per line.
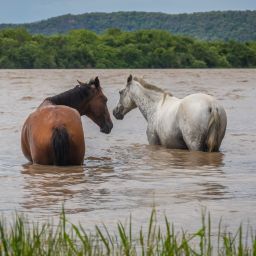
<point>122,174</point>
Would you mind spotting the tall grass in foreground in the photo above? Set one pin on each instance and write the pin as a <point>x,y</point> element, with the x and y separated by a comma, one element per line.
<point>21,237</point>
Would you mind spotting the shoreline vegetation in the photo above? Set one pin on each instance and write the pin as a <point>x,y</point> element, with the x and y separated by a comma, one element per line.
<point>23,237</point>
<point>117,49</point>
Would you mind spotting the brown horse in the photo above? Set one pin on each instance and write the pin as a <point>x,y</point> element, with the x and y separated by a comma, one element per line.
<point>53,134</point>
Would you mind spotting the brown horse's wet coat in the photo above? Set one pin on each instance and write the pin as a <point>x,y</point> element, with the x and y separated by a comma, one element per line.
<point>38,129</point>
<point>37,134</point>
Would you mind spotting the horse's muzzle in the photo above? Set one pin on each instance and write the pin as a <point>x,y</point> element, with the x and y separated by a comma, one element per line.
<point>117,114</point>
<point>107,128</point>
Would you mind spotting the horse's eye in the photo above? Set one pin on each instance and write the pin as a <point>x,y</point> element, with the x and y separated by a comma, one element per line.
<point>120,92</point>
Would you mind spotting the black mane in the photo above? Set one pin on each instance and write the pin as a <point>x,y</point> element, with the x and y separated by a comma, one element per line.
<point>73,97</point>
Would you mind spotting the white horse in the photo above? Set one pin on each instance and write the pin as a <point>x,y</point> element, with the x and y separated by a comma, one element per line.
<point>196,122</point>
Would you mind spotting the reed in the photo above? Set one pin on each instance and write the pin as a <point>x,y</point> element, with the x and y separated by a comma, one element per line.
<point>21,237</point>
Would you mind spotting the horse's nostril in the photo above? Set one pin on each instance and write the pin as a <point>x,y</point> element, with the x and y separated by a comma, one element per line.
<point>118,110</point>
<point>107,127</point>
<point>110,126</point>
<point>106,130</point>
<point>121,109</point>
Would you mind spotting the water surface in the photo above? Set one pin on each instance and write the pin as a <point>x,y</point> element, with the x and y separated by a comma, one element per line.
<point>122,174</point>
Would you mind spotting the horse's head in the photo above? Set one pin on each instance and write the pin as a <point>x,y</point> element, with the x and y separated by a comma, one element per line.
<point>125,103</point>
<point>96,107</point>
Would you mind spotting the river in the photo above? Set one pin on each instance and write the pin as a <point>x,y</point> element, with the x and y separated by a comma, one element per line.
<point>122,174</point>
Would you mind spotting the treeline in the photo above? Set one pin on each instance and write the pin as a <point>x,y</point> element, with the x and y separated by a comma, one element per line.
<point>117,49</point>
<point>225,25</point>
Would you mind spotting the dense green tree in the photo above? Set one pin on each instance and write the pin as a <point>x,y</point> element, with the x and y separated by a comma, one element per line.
<point>117,49</point>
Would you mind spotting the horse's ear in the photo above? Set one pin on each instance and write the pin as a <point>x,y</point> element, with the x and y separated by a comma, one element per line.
<point>97,82</point>
<point>81,83</point>
<point>129,79</point>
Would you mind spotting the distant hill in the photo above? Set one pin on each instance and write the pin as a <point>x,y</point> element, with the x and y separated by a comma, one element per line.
<point>226,25</point>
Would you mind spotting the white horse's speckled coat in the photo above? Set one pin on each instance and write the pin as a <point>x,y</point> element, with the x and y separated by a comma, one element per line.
<point>196,122</point>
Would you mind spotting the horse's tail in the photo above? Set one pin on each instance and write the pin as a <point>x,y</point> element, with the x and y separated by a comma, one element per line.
<point>60,144</point>
<point>213,131</point>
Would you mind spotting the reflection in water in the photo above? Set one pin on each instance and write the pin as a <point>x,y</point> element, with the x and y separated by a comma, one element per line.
<point>179,158</point>
<point>100,182</point>
<point>156,158</point>
<point>47,186</point>
<point>160,168</point>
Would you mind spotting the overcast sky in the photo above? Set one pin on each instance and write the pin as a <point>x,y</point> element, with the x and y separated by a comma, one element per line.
<point>21,11</point>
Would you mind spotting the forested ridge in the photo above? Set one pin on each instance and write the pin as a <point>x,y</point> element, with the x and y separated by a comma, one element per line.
<point>217,25</point>
<point>118,49</point>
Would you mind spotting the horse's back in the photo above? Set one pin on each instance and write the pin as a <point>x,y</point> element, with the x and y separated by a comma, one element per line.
<point>38,130</point>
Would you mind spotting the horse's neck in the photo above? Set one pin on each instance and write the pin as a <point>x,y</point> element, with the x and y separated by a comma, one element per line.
<point>74,100</point>
<point>146,100</point>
